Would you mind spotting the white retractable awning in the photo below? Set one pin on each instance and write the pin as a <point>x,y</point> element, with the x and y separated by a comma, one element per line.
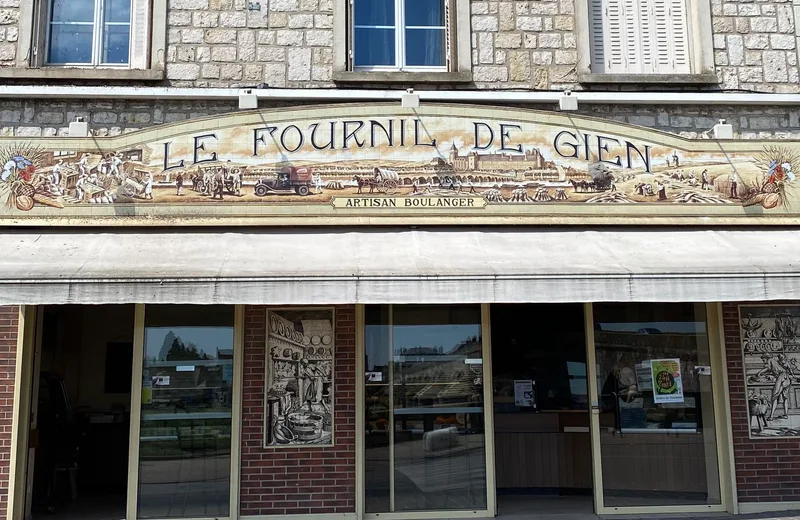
<point>385,265</point>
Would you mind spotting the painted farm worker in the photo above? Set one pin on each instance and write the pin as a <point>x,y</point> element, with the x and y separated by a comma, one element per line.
<point>179,183</point>
<point>675,159</point>
<point>57,172</point>
<point>83,163</point>
<point>668,164</point>
<point>733,178</point>
<point>116,162</point>
<point>236,177</point>
<point>219,185</point>
<point>79,186</point>
<point>148,186</point>
<point>317,183</point>
<point>208,178</point>
<point>414,185</point>
<point>662,191</point>
<point>704,178</point>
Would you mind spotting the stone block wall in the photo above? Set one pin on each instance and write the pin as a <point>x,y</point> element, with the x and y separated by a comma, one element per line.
<point>30,118</point>
<point>531,44</point>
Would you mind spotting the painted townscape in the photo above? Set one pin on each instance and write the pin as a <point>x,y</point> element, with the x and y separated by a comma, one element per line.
<point>771,348</point>
<point>315,160</point>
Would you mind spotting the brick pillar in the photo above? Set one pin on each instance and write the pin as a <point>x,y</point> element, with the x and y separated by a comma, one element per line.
<point>767,470</point>
<point>284,481</point>
<point>9,322</point>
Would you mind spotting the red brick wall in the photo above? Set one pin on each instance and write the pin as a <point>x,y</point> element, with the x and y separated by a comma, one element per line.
<point>277,481</point>
<point>766,470</point>
<point>9,321</point>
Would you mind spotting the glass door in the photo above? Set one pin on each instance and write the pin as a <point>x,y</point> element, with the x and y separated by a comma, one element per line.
<point>425,443</point>
<point>186,424</point>
<point>655,438</point>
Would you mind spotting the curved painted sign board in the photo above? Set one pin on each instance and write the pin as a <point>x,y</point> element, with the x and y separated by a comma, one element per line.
<point>381,164</point>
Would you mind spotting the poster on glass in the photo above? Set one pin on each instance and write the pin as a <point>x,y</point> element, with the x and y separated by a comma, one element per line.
<point>770,336</point>
<point>299,377</point>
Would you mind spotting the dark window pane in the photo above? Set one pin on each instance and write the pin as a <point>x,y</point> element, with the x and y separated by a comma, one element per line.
<point>374,12</point>
<point>424,12</point>
<point>116,44</point>
<point>554,358</point>
<point>70,44</point>
<point>425,47</point>
<point>72,11</point>
<point>374,47</point>
<point>185,436</point>
<point>118,11</point>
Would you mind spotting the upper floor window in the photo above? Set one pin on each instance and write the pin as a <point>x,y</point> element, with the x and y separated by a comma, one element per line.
<point>400,35</point>
<point>89,32</point>
<point>639,37</point>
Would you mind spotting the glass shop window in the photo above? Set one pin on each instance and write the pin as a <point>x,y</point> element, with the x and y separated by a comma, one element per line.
<point>424,438</point>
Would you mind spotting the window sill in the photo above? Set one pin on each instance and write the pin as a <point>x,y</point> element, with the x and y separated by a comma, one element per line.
<point>401,77</point>
<point>82,73</point>
<point>674,79</point>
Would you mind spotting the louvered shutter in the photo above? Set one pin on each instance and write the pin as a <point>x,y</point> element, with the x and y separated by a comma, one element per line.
<point>639,36</point>
<point>140,34</point>
<point>672,37</point>
<point>615,36</point>
<point>597,37</point>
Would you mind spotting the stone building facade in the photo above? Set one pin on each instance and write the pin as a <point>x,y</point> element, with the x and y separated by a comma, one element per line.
<point>192,59</point>
<point>528,45</point>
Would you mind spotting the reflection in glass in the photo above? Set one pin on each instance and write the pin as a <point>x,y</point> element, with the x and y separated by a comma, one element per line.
<point>374,47</point>
<point>425,388</point>
<point>427,13</point>
<point>70,43</point>
<point>425,47</point>
<point>657,435</point>
<point>185,432</point>
<point>116,43</point>
<point>374,12</point>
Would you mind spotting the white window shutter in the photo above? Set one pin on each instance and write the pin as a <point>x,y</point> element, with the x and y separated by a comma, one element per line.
<point>597,36</point>
<point>639,36</point>
<point>679,32</point>
<point>140,34</point>
<point>615,35</point>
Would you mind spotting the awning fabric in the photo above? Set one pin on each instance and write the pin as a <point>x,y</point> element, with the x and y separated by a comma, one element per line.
<point>386,265</point>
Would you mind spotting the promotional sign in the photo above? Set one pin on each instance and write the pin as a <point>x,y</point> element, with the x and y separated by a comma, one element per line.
<point>667,383</point>
<point>360,164</point>
<point>523,394</point>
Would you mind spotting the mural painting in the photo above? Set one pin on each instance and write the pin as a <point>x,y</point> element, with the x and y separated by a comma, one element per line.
<point>394,159</point>
<point>299,378</point>
<point>771,349</point>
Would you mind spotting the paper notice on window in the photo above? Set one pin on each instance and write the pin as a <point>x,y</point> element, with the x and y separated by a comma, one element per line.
<point>523,393</point>
<point>667,382</point>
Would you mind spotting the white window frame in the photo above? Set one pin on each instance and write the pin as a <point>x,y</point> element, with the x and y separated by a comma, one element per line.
<point>700,48</point>
<point>400,28</point>
<point>458,66</point>
<point>98,34</point>
<point>147,52</point>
